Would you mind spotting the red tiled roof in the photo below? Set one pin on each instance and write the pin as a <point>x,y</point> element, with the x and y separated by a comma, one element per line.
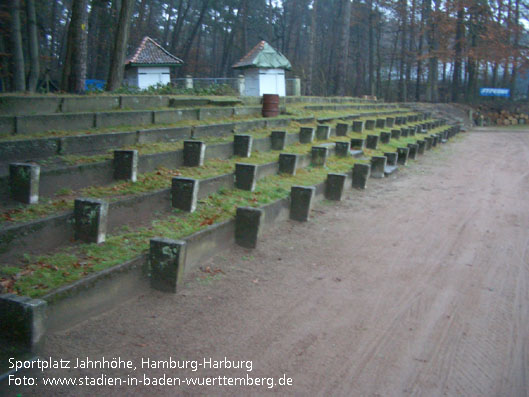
<point>248,58</point>
<point>149,52</point>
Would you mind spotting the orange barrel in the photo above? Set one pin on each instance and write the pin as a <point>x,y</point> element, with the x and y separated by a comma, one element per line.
<point>270,105</point>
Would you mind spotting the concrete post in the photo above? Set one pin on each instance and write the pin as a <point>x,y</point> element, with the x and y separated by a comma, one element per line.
<point>334,186</point>
<point>342,149</point>
<point>297,86</point>
<point>412,155</point>
<point>278,139</point>
<point>361,173</point>
<point>378,166</point>
<point>319,156</point>
<point>22,321</point>
<point>403,153</point>
<point>372,142</point>
<point>189,82</point>
<point>241,84</point>
<point>288,163</point>
<point>167,263</point>
<point>421,146</point>
<point>323,132</point>
<point>395,134</point>
<point>385,137</point>
<point>434,140</point>
<point>306,135</point>
<point>245,176</point>
<point>184,193</point>
<point>370,125</point>
<point>301,202</point>
<point>90,220</point>
<point>428,141</point>
<point>248,222</point>
<point>126,165</point>
<point>242,145</point>
<point>357,143</point>
<point>342,129</point>
<point>24,182</point>
<point>358,126</point>
<point>194,152</point>
<point>391,158</point>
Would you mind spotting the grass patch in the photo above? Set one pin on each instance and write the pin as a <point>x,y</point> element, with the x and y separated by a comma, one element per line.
<point>48,272</point>
<point>161,178</point>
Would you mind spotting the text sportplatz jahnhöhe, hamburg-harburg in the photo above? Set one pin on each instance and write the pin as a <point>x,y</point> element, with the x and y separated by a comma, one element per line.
<point>145,363</point>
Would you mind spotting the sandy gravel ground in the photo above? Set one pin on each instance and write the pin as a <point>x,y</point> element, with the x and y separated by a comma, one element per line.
<point>416,286</point>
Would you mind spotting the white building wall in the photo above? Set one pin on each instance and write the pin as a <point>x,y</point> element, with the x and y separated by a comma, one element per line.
<point>264,81</point>
<point>149,76</point>
<point>272,81</point>
<point>251,82</point>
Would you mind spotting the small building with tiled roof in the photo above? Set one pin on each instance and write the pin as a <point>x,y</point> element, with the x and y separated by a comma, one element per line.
<point>150,65</point>
<point>264,70</point>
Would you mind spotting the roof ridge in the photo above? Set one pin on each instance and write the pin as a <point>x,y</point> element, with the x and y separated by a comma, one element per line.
<point>143,46</point>
<point>139,49</point>
<point>251,58</point>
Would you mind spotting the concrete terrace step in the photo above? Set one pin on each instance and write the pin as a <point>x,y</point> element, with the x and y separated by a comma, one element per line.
<point>40,148</point>
<point>19,105</point>
<point>51,232</point>
<point>40,123</point>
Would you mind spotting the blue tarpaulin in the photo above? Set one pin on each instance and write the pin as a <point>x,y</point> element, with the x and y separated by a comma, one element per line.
<point>92,84</point>
<point>503,92</point>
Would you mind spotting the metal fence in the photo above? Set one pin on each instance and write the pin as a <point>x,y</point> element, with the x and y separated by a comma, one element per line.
<point>233,83</point>
<point>205,82</point>
<point>290,87</point>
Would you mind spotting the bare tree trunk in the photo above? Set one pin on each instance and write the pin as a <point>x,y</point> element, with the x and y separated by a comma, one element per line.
<point>411,46</point>
<point>245,26</point>
<point>494,74</point>
<point>181,16</point>
<point>371,50</point>
<point>192,35</point>
<point>117,66</point>
<point>432,89</point>
<point>4,65</point>
<point>19,78</point>
<point>505,78</point>
<point>514,70</point>
<point>310,71</point>
<point>458,49</point>
<point>228,43</point>
<point>74,72</point>
<point>388,85</point>
<point>139,26</point>
<point>167,27</point>
<point>53,31</point>
<point>33,44</point>
<point>402,94</point>
<point>378,88</point>
<point>419,53</point>
<point>344,48</point>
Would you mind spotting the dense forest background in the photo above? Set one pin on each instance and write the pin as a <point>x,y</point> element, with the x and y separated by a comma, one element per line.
<point>401,50</point>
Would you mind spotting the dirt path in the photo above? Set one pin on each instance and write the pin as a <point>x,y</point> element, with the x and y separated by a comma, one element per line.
<point>417,286</point>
